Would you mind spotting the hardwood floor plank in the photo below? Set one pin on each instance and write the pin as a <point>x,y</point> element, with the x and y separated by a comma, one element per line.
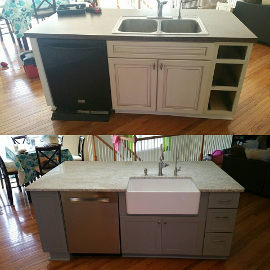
<point>23,108</point>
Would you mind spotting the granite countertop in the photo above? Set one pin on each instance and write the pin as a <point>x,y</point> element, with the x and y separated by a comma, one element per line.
<point>114,176</point>
<point>221,26</point>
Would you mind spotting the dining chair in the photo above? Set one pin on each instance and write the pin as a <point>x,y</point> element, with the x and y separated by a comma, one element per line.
<point>19,139</point>
<point>61,139</point>
<point>80,156</point>
<point>46,8</point>
<point>48,157</point>
<point>4,24</point>
<point>6,172</point>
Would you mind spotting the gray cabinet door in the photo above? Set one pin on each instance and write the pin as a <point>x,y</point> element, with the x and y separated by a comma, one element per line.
<point>182,236</point>
<point>141,235</point>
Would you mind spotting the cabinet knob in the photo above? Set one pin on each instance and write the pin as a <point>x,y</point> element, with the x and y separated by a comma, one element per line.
<point>164,222</point>
<point>158,222</point>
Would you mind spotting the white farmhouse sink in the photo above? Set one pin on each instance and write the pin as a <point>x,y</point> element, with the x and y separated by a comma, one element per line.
<point>162,196</point>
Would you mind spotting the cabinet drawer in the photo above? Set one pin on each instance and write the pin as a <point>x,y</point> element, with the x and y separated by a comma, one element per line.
<point>220,220</point>
<point>167,50</point>
<point>217,244</point>
<point>223,200</point>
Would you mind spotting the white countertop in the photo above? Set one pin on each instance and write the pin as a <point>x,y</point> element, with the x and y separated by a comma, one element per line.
<point>221,26</point>
<point>114,176</point>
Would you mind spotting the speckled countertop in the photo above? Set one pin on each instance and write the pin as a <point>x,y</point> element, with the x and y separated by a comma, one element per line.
<point>114,176</point>
<point>221,26</point>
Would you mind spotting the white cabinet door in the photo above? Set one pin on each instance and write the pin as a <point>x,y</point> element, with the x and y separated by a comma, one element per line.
<point>133,84</point>
<point>182,85</point>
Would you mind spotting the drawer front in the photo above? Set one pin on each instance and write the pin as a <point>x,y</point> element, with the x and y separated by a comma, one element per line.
<point>217,244</point>
<point>223,200</point>
<point>166,50</point>
<point>220,220</point>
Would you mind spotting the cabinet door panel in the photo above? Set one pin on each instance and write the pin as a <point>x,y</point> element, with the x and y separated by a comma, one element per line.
<point>140,235</point>
<point>182,85</point>
<point>182,236</point>
<point>133,84</point>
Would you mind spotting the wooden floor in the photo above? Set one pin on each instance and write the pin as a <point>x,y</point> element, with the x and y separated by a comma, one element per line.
<point>23,109</point>
<point>20,246</point>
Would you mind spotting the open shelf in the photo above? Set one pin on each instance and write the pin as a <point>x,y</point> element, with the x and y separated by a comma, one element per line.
<point>232,52</point>
<point>227,74</point>
<point>221,100</point>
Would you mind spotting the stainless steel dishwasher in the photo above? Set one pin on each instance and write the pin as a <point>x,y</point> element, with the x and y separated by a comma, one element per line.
<point>91,222</point>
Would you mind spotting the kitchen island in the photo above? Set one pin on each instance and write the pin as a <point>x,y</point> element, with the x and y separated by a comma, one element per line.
<point>196,75</point>
<point>80,207</point>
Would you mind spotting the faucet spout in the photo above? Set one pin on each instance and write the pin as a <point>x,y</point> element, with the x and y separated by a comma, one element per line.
<point>180,10</point>
<point>161,163</point>
<point>160,7</point>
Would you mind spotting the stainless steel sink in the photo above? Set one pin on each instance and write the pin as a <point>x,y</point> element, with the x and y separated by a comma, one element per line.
<point>162,26</point>
<point>180,26</point>
<point>138,25</point>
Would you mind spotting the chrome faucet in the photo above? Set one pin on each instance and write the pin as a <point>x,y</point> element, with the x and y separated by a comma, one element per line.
<point>160,7</point>
<point>180,10</point>
<point>176,169</point>
<point>161,163</point>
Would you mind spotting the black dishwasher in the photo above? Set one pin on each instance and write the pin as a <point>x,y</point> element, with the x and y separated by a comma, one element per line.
<point>78,77</point>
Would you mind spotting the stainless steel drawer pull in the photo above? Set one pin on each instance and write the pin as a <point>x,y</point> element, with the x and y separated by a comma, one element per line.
<point>224,201</point>
<point>103,200</point>
<point>218,241</point>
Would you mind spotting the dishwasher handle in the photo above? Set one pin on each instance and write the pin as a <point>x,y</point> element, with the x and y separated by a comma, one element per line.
<point>101,200</point>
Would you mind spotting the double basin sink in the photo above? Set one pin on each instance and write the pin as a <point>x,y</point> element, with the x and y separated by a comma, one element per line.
<point>162,195</point>
<point>162,26</point>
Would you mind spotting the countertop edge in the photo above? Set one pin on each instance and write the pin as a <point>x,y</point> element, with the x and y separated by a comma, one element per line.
<point>121,190</point>
<point>145,38</point>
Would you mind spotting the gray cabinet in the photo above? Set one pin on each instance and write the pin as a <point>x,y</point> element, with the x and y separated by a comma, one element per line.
<point>217,244</point>
<point>48,213</point>
<point>141,235</point>
<point>182,235</point>
<point>221,215</point>
<point>163,235</point>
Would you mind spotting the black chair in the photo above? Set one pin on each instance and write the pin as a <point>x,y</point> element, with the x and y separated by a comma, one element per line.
<point>19,139</point>
<point>60,139</point>
<point>80,156</point>
<point>4,24</point>
<point>48,157</point>
<point>46,8</point>
<point>5,173</point>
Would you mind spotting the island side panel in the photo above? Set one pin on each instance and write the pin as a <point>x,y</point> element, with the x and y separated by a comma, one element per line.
<point>49,217</point>
<point>42,73</point>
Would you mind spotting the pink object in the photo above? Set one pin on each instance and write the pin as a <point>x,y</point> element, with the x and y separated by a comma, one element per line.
<point>116,142</point>
<point>4,64</point>
<point>217,157</point>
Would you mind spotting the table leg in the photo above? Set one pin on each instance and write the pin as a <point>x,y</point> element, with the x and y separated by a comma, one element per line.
<point>9,190</point>
<point>25,43</point>
<point>20,43</point>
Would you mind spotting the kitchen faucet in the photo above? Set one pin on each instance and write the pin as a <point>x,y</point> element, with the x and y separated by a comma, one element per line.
<point>175,168</point>
<point>161,163</point>
<point>180,10</point>
<point>160,7</point>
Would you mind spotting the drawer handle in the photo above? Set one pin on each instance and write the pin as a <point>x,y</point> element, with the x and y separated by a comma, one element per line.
<point>161,66</point>
<point>102,200</point>
<point>154,66</point>
<point>222,217</point>
<point>224,201</point>
<point>218,241</point>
